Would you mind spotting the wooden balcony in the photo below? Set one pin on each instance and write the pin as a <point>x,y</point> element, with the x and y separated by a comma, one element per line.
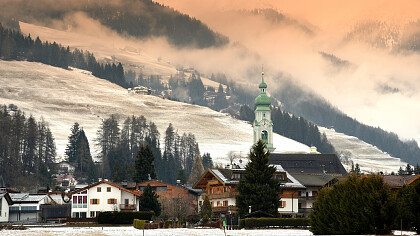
<point>221,195</point>
<point>221,209</point>
<point>127,207</point>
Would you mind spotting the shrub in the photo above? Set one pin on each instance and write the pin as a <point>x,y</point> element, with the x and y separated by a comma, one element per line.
<point>139,224</point>
<point>110,217</point>
<point>358,205</point>
<point>274,222</point>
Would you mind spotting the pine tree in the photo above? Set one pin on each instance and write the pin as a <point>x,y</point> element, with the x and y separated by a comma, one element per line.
<point>207,161</point>
<point>197,170</point>
<point>358,205</point>
<point>258,188</point>
<point>149,201</point>
<point>71,146</point>
<point>144,164</point>
<point>409,170</point>
<point>206,211</point>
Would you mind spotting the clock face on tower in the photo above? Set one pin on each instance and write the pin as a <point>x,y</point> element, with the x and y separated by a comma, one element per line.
<point>264,123</point>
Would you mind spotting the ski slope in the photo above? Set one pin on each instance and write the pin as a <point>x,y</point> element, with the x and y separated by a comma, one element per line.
<point>370,158</point>
<point>63,97</point>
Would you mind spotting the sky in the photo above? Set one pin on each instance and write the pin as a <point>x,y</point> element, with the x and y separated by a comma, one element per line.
<point>380,87</point>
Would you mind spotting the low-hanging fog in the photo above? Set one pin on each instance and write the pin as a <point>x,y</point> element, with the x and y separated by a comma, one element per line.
<point>347,54</point>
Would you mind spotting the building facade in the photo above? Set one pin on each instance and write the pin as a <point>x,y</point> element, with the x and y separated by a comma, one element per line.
<point>102,196</point>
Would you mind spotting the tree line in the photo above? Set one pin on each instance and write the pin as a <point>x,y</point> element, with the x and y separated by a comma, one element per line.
<point>365,205</point>
<point>138,18</point>
<point>27,149</point>
<point>296,101</point>
<point>15,46</point>
<point>133,151</point>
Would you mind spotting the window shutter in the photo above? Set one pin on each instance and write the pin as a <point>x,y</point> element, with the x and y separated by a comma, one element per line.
<point>109,201</point>
<point>98,201</point>
<point>284,203</point>
<point>91,201</point>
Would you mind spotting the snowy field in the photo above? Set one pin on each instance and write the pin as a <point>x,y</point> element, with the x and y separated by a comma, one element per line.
<point>117,231</point>
<point>63,97</point>
<point>369,157</point>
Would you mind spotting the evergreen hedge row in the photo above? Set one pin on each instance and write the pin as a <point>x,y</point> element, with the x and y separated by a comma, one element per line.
<point>274,222</point>
<point>109,217</point>
<point>139,224</point>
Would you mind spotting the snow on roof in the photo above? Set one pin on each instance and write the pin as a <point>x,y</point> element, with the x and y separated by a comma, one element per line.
<point>219,175</point>
<point>26,197</point>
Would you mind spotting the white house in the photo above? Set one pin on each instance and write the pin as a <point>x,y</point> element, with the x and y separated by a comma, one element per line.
<point>5,202</point>
<point>102,196</point>
<point>26,207</point>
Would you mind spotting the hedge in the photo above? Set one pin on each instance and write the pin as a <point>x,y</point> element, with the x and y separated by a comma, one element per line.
<point>109,217</point>
<point>139,224</point>
<point>274,222</point>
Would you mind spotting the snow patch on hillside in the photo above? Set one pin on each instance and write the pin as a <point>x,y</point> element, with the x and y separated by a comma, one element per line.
<point>63,97</point>
<point>370,158</point>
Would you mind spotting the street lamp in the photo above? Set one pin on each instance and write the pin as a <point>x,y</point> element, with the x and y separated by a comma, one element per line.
<point>250,209</point>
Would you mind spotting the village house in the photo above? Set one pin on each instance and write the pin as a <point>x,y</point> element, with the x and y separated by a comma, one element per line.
<point>5,202</point>
<point>313,170</point>
<point>102,196</point>
<point>220,187</point>
<point>397,181</point>
<point>175,200</point>
<point>26,207</point>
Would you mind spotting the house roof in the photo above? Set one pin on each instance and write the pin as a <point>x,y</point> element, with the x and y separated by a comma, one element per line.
<point>104,182</point>
<point>397,181</point>
<point>314,180</point>
<point>26,197</point>
<point>161,183</point>
<point>309,163</point>
<point>225,177</point>
<point>7,197</point>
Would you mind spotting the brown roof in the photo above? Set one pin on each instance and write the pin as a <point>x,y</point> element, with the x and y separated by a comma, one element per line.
<point>397,181</point>
<point>104,182</point>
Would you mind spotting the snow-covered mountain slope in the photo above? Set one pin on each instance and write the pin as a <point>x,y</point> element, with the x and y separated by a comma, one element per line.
<point>369,157</point>
<point>63,97</point>
<point>134,54</point>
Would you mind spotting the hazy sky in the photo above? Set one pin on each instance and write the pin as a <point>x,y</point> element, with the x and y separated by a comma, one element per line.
<point>363,91</point>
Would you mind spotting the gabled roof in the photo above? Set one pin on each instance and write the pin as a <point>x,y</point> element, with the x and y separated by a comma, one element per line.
<point>397,181</point>
<point>104,182</point>
<point>7,197</point>
<point>313,180</point>
<point>26,197</point>
<point>225,177</point>
<point>309,163</point>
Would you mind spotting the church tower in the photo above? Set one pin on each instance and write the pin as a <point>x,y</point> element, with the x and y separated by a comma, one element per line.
<point>263,126</point>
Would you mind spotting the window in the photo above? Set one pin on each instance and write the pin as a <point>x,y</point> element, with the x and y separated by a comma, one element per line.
<point>282,204</point>
<point>126,201</point>
<point>225,203</point>
<point>1,203</point>
<point>98,189</point>
<point>200,203</point>
<point>236,176</point>
<point>218,203</point>
<point>112,201</point>
<point>94,201</point>
<point>92,214</point>
<point>226,189</point>
<point>108,189</point>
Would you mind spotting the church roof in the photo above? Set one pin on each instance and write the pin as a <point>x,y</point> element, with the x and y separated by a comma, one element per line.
<point>328,164</point>
<point>262,100</point>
